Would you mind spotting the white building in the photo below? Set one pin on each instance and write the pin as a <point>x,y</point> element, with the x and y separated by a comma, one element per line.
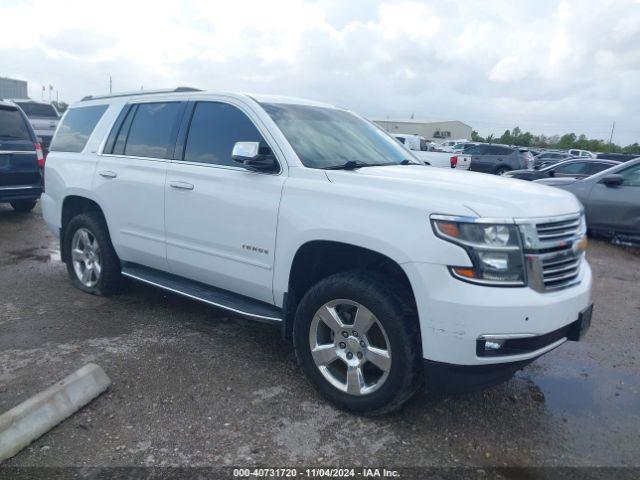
<point>11,88</point>
<point>435,131</point>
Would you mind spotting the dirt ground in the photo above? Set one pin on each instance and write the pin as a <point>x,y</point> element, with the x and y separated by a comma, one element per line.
<point>193,386</point>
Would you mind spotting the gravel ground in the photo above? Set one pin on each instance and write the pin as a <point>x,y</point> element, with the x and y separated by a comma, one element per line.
<point>193,386</point>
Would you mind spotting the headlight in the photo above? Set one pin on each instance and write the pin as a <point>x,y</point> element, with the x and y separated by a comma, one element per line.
<point>495,250</point>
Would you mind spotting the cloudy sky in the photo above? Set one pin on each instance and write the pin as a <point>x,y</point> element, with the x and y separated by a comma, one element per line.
<point>547,66</point>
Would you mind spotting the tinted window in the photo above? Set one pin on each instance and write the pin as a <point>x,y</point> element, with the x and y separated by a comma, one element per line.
<point>423,145</point>
<point>400,139</point>
<point>38,109</point>
<point>152,129</point>
<point>572,168</point>
<point>215,128</point>
<point>76,128</point>
<point>597,167</point>
<point>631,176</point>
<point>13,125</point>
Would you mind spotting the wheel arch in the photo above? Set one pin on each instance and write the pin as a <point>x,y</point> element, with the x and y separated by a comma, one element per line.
<point>317,259</point>
<point>73,205</point>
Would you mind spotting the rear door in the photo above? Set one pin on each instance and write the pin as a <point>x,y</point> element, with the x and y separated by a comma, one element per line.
<point>18,160</point>
<point>130,180</point>
<point>616,208</point>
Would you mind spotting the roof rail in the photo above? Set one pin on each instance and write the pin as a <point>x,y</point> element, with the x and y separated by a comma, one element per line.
<point>141,92</point>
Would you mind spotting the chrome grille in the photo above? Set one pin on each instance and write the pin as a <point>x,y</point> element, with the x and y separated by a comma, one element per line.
<point>560,230</point>
<point>560,269</point>
<point>553,251</point>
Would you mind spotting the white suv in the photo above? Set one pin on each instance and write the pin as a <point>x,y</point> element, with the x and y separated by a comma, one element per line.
<point>383,272</point>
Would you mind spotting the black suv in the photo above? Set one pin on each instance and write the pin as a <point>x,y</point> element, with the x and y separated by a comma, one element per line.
<point>498,159</point>
<point>21,160</point>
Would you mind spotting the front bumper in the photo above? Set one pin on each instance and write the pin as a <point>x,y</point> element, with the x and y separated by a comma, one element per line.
<point>454,314</point>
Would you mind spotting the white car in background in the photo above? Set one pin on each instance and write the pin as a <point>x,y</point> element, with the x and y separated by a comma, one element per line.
<point>582,153</point>
<point>43,117</point>
<point>419,147</point>
<point>448,145</point>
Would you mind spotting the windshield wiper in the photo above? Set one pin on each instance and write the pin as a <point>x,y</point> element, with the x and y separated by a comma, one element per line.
<point>350,165</point>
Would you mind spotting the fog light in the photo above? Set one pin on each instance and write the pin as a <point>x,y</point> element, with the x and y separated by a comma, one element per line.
<point>493,345</point>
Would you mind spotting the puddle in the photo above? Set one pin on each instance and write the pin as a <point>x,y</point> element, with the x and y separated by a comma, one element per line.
<point>574,389</point>
<point>42,254</point>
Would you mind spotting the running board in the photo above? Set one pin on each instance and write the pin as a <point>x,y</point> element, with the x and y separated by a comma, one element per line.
<point>245,306</point>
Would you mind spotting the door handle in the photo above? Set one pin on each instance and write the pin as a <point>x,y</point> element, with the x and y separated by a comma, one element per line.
<point>107,174</point>
<point>181,185</point>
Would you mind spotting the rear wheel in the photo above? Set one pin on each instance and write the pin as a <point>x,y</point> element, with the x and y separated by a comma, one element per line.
<point>502,170</point>
<point>92,263</point>
<point>23,206</point>
<point>358,343</point>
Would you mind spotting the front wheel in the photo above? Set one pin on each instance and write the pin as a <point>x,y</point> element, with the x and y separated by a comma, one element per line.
<point>358,343</point>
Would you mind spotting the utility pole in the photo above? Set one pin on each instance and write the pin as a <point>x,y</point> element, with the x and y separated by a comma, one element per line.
<point>110,85</point>
<point>611,136</point>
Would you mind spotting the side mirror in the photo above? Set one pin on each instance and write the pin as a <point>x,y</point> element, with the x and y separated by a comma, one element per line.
<point>253,157</point>
<point>613,180</point>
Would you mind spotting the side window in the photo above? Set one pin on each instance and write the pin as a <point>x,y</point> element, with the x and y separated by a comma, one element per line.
<point>631,176</point>
<point>214,130</point>
<point>597,167</point>
<point>121,138</point>
<point>152,129</point>
<point>574,167</point>
<point>76,128</point>
<point>474,150</point>
<point>400,139</point>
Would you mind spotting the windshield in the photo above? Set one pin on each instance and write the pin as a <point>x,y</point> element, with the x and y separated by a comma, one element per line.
<point>327,137</point>
<point>33,109</point>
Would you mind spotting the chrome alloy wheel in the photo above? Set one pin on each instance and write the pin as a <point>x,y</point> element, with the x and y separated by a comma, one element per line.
<point>86,258</point>
<point>350,347</point>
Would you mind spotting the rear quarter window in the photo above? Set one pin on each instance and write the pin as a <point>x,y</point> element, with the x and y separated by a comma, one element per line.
<point>76,128</point>
<point>13,125</point>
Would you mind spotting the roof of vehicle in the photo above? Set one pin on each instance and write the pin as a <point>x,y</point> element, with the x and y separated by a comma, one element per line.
<point>28,100</point>
<point>189,91</point>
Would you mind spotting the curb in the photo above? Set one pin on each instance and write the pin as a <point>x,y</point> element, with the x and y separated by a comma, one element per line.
<point>34,417</point>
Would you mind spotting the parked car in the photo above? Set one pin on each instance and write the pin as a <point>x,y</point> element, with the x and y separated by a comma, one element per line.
<point>576,168</point>
<point>447,146</point>
<point>44,118</point>
<point>384,273</point>
<point>549,158</point>
<point>621,157</point>
<point>611,200</point>
<point>21,159</point>
<point>419,148</point>
<point>463,147</point>
<point>581,153</point>
<point>496,159</point>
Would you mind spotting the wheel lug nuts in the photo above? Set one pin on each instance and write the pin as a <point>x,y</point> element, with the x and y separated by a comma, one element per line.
<point>362,343</point>
<point>360,355</point>
<point>345,334</point>
<point>349,355</point>
<point>343,345</point>
<point>354,333</point>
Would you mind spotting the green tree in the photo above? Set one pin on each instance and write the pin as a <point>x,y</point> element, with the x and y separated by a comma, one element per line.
<point>475,137</point>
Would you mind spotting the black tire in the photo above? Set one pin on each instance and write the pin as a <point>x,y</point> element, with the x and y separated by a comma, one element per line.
<point>502,170</point>
<point>110,280</point>
<point>23,206</point>
<point>400,323</point>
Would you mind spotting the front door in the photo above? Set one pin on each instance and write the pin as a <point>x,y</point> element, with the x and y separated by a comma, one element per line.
<point>221,219</point>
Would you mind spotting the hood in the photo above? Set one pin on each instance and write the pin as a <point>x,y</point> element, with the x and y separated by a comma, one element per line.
<point>486,195</point>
